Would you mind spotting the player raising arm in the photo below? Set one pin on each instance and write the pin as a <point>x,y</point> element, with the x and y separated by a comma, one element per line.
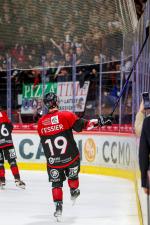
<point>63,160</point>
<point>7,151</point>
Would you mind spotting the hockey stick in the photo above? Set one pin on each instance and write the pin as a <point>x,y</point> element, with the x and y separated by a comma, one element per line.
<point>132,69</point>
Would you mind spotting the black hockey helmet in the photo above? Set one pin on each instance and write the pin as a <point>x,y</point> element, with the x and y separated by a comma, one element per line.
<point>50,100</point>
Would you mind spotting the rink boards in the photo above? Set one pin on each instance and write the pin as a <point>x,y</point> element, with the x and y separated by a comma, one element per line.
<point>113,154</point>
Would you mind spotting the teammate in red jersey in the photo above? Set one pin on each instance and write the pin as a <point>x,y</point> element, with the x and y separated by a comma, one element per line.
<point>7,151</point>
<point>62,155</point>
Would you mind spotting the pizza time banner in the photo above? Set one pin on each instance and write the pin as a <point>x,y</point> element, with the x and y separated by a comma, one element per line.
<point>32,96</point>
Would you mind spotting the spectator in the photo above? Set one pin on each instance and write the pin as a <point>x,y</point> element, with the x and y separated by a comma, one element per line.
<point>96,59</point>
<point>67,47</point>
<point>111,97</point>
<point>81,59</point>
<point>142,125</point>
<point>139,119</point>
<point>63,75</point>
<point>144,154</point>
<point>37,77</point>
<point>68,59</point>
<point>86,34</point>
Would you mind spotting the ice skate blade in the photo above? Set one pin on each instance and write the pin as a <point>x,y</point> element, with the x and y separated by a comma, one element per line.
<point>74,196</point>
<point>73,201</point>
<point>20,186</point>
<point>2,187</point>
<point>58,217</point>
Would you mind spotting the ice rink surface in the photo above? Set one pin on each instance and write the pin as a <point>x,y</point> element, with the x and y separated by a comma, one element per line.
<point>103,201</point>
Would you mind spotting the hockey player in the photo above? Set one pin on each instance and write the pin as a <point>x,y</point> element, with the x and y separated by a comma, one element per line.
<point>62,155</point>
<point>7,151</point>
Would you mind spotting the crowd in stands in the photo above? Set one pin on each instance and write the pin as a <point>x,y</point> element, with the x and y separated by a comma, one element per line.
<point>110,83</point>
<point>30,29</point>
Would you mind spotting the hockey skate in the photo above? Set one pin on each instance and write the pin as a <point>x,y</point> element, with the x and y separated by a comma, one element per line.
<point>74,194</point>
<point>2,185</point>
<point>20,183</point>
<point>58,212</point>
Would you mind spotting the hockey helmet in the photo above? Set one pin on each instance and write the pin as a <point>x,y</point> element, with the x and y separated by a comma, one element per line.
<point>50,100</point>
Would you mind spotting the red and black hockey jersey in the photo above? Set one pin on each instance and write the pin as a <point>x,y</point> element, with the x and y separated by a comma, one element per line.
<point>5,131</point>
<point>55,130</point>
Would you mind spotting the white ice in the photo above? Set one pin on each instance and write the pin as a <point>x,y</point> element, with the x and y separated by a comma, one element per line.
<point>103,201</point>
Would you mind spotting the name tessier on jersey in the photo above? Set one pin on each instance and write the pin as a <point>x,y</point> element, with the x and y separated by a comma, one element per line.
<point>55,130</point>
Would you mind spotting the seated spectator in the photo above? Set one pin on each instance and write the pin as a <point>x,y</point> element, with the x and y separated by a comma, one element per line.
<point>68,59</point>
<point>81,76</point>
<point>96,59</point>
<point>16,116</point>
<point>63,75</point>
<point>80,56</point>
<point>37,77</point>
<point>31,61</point>
<point>66,47</point>
<point>94,75</point>
<point>110,98</point>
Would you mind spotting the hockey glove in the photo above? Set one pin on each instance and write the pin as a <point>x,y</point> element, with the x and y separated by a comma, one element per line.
<point>91,124</point>
<point>105,120</point>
